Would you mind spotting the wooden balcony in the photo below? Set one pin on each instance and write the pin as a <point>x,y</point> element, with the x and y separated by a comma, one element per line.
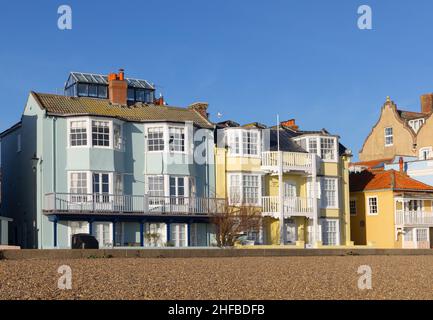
<point>108,204</point>
<point>292,161</point>
<point>291,207</point>
<point>414,218</point>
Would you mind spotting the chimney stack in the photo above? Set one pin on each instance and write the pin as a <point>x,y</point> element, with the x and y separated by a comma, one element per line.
<point>160,101</point>
<point>118,88</point>
<point>427,103</point>
<point>201,107</point>
<point>401,164</point>
<point>290,124</point>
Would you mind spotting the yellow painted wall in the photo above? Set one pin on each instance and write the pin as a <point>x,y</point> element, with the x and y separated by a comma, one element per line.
<point>379,229</point>
<point>404,138</point>
<point>271,228</point>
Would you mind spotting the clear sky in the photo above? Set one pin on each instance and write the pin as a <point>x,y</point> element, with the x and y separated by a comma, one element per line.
<point>249,59</point>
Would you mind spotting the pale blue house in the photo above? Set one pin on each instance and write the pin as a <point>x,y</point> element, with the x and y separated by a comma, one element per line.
<point>109,159</point>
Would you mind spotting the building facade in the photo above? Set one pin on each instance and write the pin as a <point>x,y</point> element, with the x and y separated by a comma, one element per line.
<point>109,159</point>
<point>390,210</point>
<point>400,133</point>
<point>299,180</point>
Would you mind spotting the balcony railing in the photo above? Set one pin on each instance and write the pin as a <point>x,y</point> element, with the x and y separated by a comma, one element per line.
<point>290,206</point>
<point>413,218</point>
<point>65,203</point>
<point>292,161</point>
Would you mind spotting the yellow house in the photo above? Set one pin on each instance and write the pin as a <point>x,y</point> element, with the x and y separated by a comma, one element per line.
<point>390,210</point>
<point>299,179</point>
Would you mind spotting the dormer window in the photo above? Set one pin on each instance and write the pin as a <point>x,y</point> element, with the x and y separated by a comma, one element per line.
<point>243,142</point>
<point>416,124</point>
<point>325,147</point>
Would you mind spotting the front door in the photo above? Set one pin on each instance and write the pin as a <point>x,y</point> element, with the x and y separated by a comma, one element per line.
<point>291,234</point>
<point>177,194</point>
<point>422,238</point>
<point>179,235</point>
<point>101,190</point>
<point>103,232</point>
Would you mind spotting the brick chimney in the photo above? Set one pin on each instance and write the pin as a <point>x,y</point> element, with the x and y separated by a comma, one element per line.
<point>118,88</point>
<point>290,124</point>
<point>427,103</point>
<point>201,107</point>
<point>160,101</point>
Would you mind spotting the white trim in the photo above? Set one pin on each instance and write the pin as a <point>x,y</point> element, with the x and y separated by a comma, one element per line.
<point>367,205</point>
<point>241,187</point>
<point>421,151</point>
<point>389,135</point>
<point>337,228</point>
<point>318,139</point>
<point>239,132</point>
<point>323,193</point>
<point>166,137</point>
<point>89,128</point>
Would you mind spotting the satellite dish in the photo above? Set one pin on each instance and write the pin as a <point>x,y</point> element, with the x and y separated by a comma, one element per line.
<point>219,115</point>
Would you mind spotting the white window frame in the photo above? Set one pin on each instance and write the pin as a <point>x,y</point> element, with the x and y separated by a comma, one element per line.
<point>416,124</point>
<point>110,133</point>
<point>389,135</point>
<point>86,126</point>
<point>166,137</point>
<point>307,143</point>
<point>175,232</point>
<point>337,230</point>
<point>89,131</point>
<point>326,205</point>
<point>241,188</point>
<point>236,145</point>
<point>423,150</point>
<point>369,208</point>
<point>98,229</point>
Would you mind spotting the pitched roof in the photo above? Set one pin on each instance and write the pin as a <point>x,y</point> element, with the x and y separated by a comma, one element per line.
<point>286,142</point>
<point>72,106</point>
<point>410,115</point>
<point>372,164</point>
<point>391,179</point>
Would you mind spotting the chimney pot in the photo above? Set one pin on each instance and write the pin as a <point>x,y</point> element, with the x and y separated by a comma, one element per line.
<point>290,124</point>
<point>401,164</point>
<point>118,88</point>
<point>427,103</point>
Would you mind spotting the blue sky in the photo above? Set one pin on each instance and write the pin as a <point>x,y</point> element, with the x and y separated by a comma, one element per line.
<point>249,59</point>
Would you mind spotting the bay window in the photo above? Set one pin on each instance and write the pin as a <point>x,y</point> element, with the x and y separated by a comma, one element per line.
<point>164,135</point>
<point>329,193</point>
<point>325,147</point>
<point>243,142</point>
<point>78,133</point>
<point>330,232</point>
<point>177,139</point>
<point>244,189</point>
<point>78,185</point>
<point>101,133</point>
